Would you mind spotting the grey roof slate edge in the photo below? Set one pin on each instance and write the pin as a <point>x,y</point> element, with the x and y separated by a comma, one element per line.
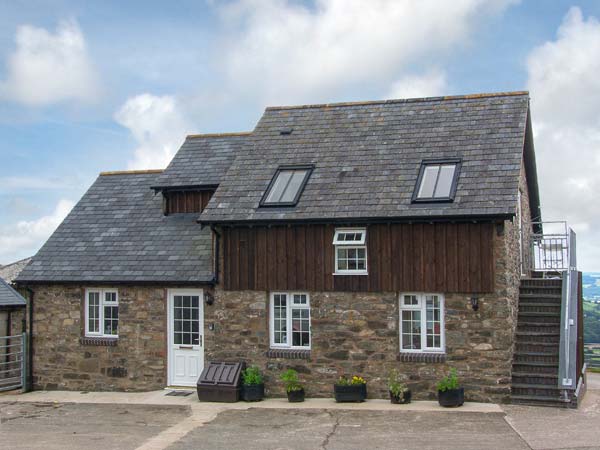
<point>117,233</point>
<point>367,157</point>
<point>201,161</point>
<point>10,297</point>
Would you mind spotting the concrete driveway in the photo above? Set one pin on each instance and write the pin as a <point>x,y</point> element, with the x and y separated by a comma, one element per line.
<point>153,421</point>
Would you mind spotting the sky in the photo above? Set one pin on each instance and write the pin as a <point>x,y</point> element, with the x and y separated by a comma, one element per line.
<point>87,86</point>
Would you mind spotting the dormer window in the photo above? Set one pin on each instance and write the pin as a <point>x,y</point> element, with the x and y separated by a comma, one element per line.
<point>437,181</point>
<point>286,186</point>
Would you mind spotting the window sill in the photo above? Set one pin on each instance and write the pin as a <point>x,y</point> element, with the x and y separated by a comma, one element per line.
<point>288,353</point>
<point>99,341</point>
<point>421,357</point>
<point>351,273</point>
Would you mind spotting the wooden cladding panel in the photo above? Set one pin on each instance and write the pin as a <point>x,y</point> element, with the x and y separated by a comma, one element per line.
<point>186,201</point>
<point>441,257</point>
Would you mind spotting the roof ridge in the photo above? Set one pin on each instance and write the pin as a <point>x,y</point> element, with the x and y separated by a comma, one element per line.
<point>405,100</point>
<point>213,135</point>
<point>131,172</point>
<point>14,262</point>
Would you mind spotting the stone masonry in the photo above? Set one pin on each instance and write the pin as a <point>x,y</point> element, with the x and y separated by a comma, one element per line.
<point>136,363</point>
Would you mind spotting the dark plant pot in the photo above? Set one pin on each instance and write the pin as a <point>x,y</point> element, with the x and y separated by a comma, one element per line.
<point>451,397</point>
<point>401,399</point>
<point>356,393</point>
<point>296,396</point>
<point>253,392</point>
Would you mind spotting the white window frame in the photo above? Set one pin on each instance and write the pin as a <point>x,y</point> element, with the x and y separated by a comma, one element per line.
<point>422,307</point>
<point>289,307</point>
<point>101,293</point>
<point>350,245</point>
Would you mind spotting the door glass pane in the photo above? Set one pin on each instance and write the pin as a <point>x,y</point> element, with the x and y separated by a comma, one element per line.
<point>186,320</point>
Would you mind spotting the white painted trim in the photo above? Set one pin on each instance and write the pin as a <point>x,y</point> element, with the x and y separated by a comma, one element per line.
<point>361,242</point>
<point>422,307</point>
<point>288,311</point>
<point>101,293</point>
<point>170,294</point>
<point>364,271</point>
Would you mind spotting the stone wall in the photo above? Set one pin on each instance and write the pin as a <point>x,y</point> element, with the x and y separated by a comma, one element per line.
<point>137,362</point>
<point>357,333</point>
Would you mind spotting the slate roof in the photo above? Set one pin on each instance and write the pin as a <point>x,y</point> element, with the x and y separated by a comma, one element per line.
<point>367,158</point>
<point>10,271</point>
<point>117,233</point>
<point>8,296</point>
<point>202,160</point>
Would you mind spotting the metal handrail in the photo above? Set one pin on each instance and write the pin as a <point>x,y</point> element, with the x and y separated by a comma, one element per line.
<point>550,250</point>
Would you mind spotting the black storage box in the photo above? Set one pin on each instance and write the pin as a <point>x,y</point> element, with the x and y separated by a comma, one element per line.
<point>220,382</point>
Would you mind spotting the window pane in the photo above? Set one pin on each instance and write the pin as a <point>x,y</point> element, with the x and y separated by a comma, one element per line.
<point>428,181</point>
<point>111,320</point>
<point>94,312</point>
<point>411,330</point>
<point>279,186</point>
<point>293,186</point>
<point>433,322</point>
<point>445,181</point>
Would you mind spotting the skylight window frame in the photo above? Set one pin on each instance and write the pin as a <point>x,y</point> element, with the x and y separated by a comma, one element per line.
<point>437,162</point>
<point>308,167</point>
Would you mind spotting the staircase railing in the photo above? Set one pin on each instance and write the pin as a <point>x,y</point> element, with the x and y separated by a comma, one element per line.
<point>554,254</point>
<point>567,362</point>
<point>550,249</point>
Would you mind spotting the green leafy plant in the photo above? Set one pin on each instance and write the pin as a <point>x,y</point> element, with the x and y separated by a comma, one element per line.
<point>290,378</point>
<point>449,382</point>
<point>251,376</point>
<point>395,384</point>
<point>354,381</point>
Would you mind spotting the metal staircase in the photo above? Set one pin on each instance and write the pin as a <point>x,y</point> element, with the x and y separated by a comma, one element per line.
<point>536,356</point>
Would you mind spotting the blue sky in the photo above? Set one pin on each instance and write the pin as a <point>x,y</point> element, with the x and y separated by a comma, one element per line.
<point>93,86</point>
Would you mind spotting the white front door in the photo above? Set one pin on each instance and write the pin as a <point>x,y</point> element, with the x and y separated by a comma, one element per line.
<point>186,336</point>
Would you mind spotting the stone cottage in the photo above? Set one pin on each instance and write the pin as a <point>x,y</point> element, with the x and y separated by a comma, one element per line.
<point>350,238</point>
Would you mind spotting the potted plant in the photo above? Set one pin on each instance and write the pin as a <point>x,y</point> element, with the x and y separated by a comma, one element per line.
<point>350,390</point>
<point>449,392</point>
<point>295,391</point>
<point>399,393</point>
<point>253,387</point>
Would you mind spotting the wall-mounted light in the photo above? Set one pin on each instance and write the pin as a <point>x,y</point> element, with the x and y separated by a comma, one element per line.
<point>209,299</point>
<point>475,303</point>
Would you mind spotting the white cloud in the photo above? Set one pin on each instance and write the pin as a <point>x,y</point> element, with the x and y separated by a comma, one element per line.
<point>157,124</point>
<point>24,238</point>
<point>430,84</point>
<point>48,67</point>
<point>285,51</point>
<point>564,83</point>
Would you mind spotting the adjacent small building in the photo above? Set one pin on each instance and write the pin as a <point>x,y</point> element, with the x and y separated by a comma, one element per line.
<point>337,239</point>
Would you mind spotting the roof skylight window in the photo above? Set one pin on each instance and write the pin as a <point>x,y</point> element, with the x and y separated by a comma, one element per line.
<point>286,186</point>
<point>437,181</point>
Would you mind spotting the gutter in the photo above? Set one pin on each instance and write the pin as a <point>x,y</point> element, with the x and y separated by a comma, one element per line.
<point>213,228</point>
<point>357,220</point>
<point>159,283</point>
